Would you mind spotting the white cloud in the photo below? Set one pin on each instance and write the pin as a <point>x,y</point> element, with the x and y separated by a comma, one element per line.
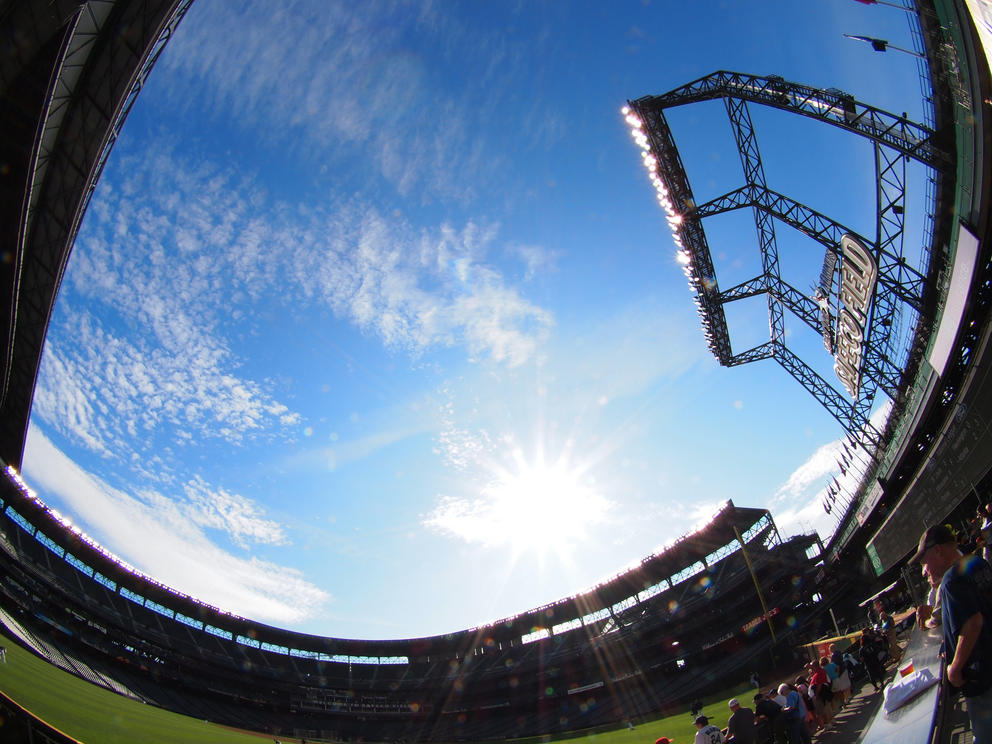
<point>164,538</point>
<point>536,259</point>
<point>65,394</point>
<point>417,294</point>
<point>821,463</point>
<point>238,517</point>
<point>798,503</point>
<point>112,393</point>
<point>499,322</point>
<point>461,448</point>
<point>174,278</point>
<point>371,92</point>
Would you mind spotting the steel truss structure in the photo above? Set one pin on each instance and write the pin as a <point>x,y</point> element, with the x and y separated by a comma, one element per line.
<point>69,74</point>
<point>902,284</point>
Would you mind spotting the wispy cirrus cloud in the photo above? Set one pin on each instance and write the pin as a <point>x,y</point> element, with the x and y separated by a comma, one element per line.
<point>144,337</point>
<point>339,77</point>
<point>236,516</point>
<point>113,393</point>
<point>537,259</point>
<point>165,538</point>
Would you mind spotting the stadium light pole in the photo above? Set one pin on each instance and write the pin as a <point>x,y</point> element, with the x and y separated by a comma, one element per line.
<point>757,586</point>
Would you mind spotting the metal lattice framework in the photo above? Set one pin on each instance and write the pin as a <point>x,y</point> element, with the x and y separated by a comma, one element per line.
<point>901,280</point>
<point>69,74</point>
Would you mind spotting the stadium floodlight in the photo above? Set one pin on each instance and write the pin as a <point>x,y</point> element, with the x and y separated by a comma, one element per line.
<point>22,484</point>
<point>868,356</point>
<point>651,164</point>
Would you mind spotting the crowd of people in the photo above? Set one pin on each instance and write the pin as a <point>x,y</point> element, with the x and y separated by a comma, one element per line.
<point>956,568</point>
<point>794,711</point>
<point>788,714</point>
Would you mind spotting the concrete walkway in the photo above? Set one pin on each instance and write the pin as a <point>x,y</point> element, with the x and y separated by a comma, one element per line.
<point>851,721</point>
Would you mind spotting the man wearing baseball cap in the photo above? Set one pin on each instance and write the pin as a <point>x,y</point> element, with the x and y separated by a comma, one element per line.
<point>706,732</point>
<point>740,727</point>
<point>966,601</point>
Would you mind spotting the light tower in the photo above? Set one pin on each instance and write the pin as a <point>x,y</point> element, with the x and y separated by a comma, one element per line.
<point>868,284</point>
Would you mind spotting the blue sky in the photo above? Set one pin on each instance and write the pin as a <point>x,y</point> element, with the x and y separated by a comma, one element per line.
<point>374,328</point>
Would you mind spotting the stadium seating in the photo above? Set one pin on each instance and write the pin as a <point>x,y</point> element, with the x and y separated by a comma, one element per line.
<point>681,623</point>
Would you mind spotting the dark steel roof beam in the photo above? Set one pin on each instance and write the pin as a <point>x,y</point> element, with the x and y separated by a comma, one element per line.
<point>833,107</point>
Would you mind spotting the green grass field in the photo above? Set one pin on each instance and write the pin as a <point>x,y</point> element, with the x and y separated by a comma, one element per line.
<point>94,715</point>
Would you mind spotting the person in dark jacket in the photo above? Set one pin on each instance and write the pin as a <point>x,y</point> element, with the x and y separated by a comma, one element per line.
<point>769,722</point>
<point>740,727</point>
<point>869,654</point>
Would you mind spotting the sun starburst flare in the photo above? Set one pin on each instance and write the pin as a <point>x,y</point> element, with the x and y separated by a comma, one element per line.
<point>530,506</point>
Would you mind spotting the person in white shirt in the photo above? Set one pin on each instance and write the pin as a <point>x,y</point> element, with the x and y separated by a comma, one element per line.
<point>707,733</point>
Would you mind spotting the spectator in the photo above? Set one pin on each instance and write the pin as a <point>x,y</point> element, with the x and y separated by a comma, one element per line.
<point>821,694</point>
<point>740,727</point>
<point>985,530</point>
<point>875,612</point>
<point>795,715</point>
<point>777,697</point>
<point>803,689</point>
<point>928,614</point>
<point>707,733</point>
<point>966,607</point>
<point>840,682</point>
<point>962,537</point>
<point>828,665</point>
<point>769,721</point>
<point>870,655</point>
<point>888,627</point>
<point>852,665</point>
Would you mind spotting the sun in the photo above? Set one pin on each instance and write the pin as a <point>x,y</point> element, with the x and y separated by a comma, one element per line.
<point>529,506</point>
<point>543,507</point>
